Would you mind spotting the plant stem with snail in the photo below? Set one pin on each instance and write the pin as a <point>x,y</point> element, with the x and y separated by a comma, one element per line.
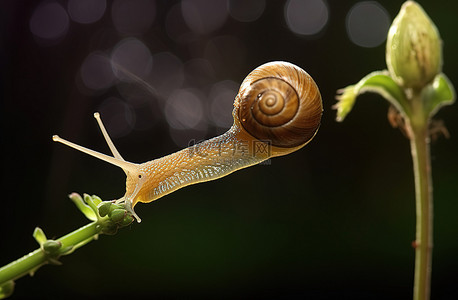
<point>35,259</point>
<point>107,219</point>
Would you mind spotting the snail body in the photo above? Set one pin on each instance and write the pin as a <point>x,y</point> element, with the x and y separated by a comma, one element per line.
<point>276,111</point>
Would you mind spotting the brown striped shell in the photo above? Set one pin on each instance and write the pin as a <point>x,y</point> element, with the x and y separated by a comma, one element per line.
<point>279,102</point>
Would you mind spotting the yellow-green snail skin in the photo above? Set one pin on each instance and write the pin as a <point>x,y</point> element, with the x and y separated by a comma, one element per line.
<point>276,111</point>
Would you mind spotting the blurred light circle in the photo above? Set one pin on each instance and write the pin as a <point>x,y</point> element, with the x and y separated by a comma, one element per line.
<point>222,95</point>
<point>96,71</point>
<point>145,104</point>
<point>131,60</point>
<point>49,21</point>
<point>86,11</point>
<point>167,74</point>
<point>137,95</point>
<point>246,11</point>
<point>367,24</point>
<point>118,117</point>
<point>306,17</point>
<point>203,16</point>
<point>183,110</point>
<point>133,16</point>
<point>176,27</point>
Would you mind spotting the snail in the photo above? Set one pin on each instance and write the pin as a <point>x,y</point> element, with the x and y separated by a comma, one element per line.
<point>276,111</point>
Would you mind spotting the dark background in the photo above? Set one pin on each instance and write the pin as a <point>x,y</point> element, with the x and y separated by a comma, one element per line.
<point>334,220</point>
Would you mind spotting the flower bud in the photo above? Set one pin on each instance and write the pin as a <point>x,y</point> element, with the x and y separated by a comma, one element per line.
<point>6,289</point>
<point>104,208</point>
<point>413,48</point>
<point>51,246</point>
<point>117,215</point>
<point>128,219</point>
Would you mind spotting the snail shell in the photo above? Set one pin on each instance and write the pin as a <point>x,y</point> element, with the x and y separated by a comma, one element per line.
<point>279,102</point>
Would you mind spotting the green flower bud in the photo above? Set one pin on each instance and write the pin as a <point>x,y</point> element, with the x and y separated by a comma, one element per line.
<point>413,48</point>
<point>6,289</point>
<point>128,219</point>
<point>117,215</point>
<point>104,208</point>
<point>51,246</point>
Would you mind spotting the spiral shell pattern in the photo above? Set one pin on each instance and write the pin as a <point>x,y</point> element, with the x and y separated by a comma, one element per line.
<point>279,102</point>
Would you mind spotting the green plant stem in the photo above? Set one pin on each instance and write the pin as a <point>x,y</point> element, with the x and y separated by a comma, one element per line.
<point>29,263</point>
<point>424,205</point>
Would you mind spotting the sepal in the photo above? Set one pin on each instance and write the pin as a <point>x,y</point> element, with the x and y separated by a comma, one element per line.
<point>437,94</point>
<point>39,236</point>
<point>378,82</point>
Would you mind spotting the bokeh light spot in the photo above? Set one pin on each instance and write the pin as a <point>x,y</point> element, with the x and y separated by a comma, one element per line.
<point>96,72</point>
<point>133,16</point>
<point>49,21</point>
<point>246,11</point>
<point>131,60</point>
<point>146,106</point>
<point>306,17</point>
<point>118,116</point>
<point>203,16</point>
<point>176,26</point>
<point>86,11</point>
<point>367,24</point>
<point>167,74</point>
<point>222,96</point>
<point>183,109</point>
